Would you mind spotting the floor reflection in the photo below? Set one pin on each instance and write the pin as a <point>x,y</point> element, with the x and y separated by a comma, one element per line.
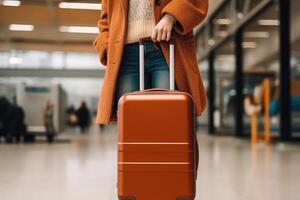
<point>85,168</point>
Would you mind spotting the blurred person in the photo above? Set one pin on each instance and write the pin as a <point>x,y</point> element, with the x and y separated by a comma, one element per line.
<point>18,126</point>
<point>48,120</point>
<point>4,106</point>
<point>123,23</point>
<point>71,116</point>
<point>12,123</point>
<point>253,104</point>
<point>83,116</point>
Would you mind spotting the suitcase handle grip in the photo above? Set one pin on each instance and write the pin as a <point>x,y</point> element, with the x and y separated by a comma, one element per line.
<point>171,63</point>
<point>155,89</point>
<point>149,39</point>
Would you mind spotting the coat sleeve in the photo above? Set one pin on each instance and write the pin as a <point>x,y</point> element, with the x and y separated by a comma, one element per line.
<point>101,41</point>
<point>188,13</point>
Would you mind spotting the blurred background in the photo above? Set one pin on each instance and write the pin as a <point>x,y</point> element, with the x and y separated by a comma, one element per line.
<point>50,79</point>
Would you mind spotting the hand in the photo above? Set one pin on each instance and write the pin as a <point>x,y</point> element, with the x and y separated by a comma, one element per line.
<point>162,30</point>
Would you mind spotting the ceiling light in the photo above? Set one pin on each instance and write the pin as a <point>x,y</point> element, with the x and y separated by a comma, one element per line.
<point>21,27</point>
<point>15,60</point>
<point>211,42</point>
<point>257,34</point>
<point>240,15</point>
<point>249,45</point>
<point>79,29</point>
<point>223,21</point>
<point>84,6</point>
<point>11,3</point>
<point>268,22</point>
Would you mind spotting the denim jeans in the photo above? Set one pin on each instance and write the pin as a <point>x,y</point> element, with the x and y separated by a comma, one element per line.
<point>156,69</point>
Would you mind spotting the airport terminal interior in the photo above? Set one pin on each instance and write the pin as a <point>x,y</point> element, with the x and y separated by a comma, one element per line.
<point>51,147</point>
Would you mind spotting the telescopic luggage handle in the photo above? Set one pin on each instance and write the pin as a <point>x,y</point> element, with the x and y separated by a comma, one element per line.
<point>142,63</point>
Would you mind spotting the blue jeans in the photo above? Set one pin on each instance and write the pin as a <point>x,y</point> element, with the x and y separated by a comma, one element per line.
<point>156,69</point>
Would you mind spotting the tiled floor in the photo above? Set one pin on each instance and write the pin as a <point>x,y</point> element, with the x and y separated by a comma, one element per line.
<point>85,168</point>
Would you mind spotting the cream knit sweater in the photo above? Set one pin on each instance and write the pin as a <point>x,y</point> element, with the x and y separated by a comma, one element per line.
<point>140,20</point>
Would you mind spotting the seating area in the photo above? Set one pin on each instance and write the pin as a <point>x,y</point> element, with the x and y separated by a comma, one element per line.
<point>263,109</point>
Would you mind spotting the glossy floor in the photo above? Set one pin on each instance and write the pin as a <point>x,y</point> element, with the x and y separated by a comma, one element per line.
<point>81,167</point>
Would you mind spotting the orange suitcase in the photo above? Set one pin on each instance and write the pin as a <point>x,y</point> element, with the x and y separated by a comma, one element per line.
<point>157,142</point>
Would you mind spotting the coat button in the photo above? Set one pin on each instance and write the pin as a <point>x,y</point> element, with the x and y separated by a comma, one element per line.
<point>157,2</point>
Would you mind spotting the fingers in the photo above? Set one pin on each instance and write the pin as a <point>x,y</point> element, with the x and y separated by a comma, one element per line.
<point>164,34</point>
<point>154,34</point>
<point>161,34</point>
<point>168,36</point>
<point>162,31</point>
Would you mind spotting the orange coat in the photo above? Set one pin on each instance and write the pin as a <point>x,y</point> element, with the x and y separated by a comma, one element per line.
<point>109,44</point>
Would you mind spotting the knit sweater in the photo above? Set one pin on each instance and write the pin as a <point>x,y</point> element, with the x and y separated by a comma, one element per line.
<point>140,20</point>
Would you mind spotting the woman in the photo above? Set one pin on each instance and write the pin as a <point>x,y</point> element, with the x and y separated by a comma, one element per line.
<point>122,23</point>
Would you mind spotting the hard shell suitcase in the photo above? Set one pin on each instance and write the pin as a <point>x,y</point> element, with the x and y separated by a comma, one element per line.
<point>157,142</point>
